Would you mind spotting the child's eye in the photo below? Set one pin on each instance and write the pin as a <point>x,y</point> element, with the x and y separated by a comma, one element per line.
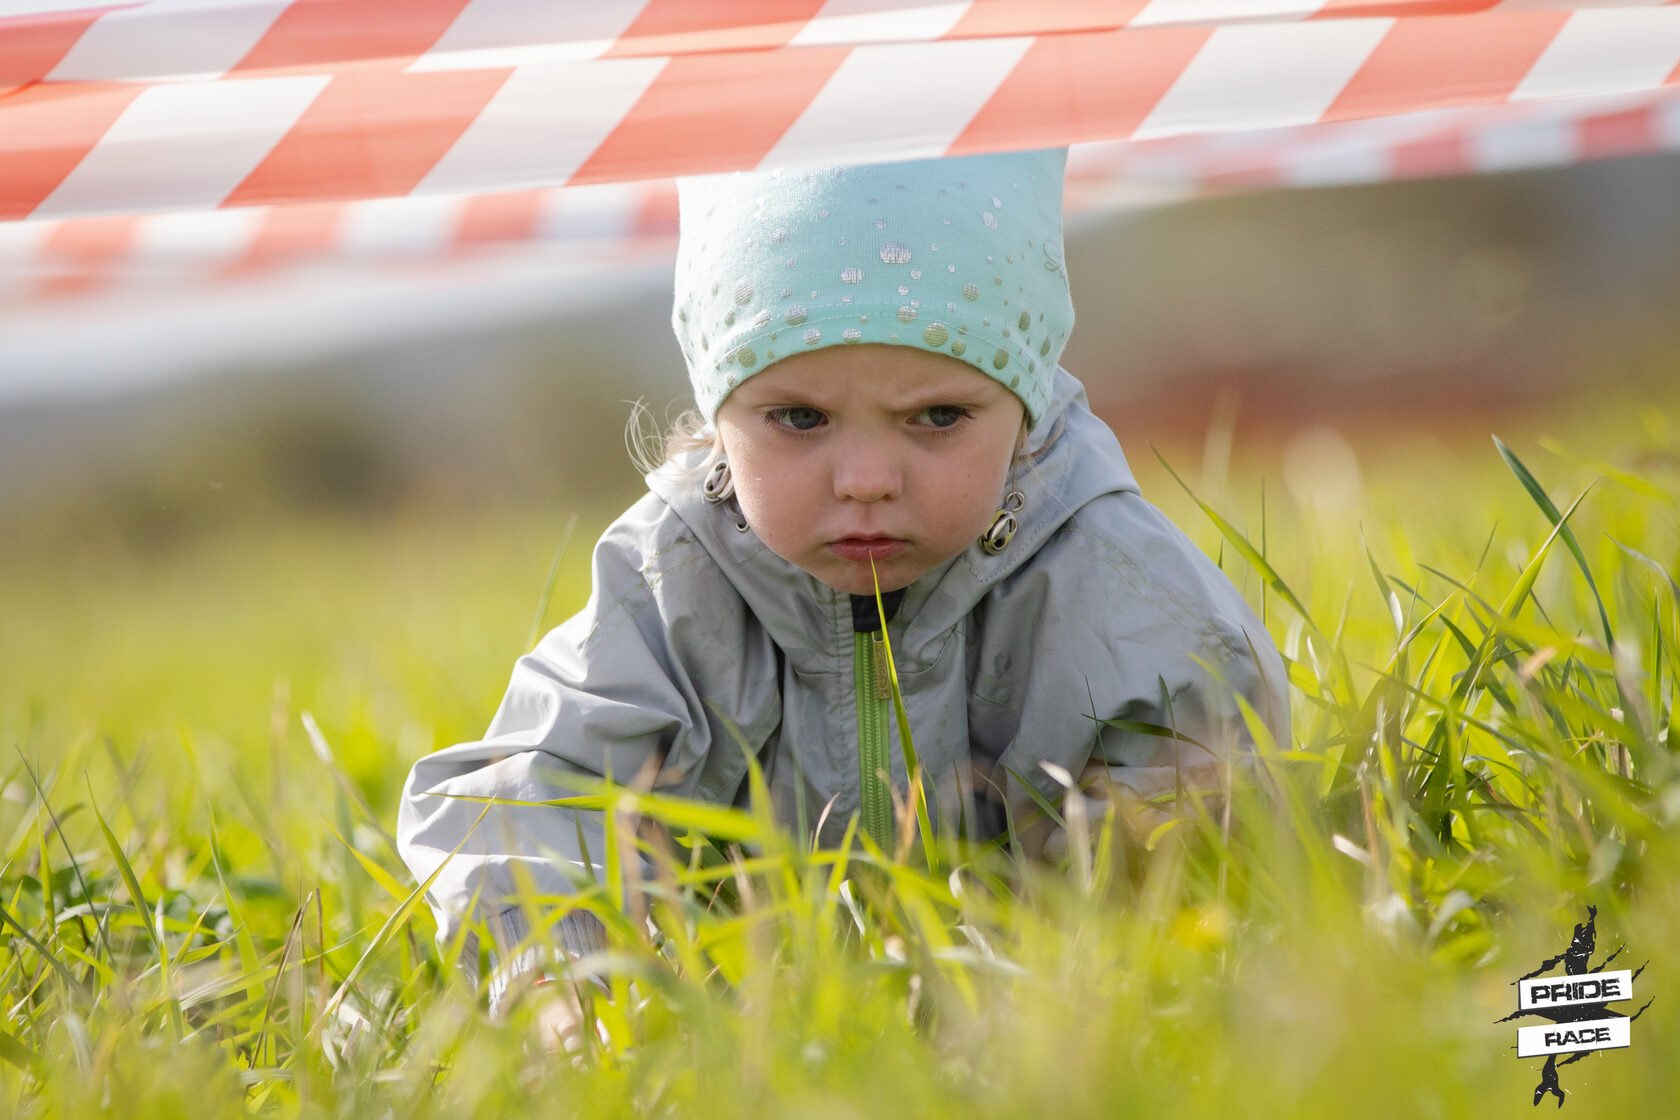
<point>795,418</point>
<point>942,416</point>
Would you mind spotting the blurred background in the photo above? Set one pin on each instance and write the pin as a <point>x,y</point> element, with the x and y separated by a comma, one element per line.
<point>1289,324</point>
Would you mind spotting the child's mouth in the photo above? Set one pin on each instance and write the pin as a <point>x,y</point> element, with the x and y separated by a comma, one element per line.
<point>868,548</point>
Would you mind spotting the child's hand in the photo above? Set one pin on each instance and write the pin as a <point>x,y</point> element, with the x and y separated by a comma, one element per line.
<point>1141,818</point>
<point>552,1008</point>
<point>559,1019</point>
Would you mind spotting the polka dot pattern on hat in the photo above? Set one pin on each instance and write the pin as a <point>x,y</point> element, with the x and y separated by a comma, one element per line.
<point>959,256</point>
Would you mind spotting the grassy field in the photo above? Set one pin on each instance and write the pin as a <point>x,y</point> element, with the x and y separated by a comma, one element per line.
<point>204,740</point>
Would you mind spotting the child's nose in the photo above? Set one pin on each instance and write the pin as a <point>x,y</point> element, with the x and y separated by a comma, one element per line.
<point>864,473</point>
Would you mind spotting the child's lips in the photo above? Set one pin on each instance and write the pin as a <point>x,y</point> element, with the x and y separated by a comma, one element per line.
<point>868,548</point>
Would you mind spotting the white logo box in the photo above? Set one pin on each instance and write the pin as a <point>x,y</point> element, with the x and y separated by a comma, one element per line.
<point>1567,1038</point>
<point>1541,992</point>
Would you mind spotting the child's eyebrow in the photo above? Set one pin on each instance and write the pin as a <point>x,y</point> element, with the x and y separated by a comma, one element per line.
<point>949,392</point>
<point>758,395</point>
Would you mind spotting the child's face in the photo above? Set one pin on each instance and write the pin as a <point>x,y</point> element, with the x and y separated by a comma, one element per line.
<point>853,453</point>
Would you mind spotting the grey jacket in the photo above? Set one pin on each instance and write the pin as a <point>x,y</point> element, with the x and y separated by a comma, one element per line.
<point>696,632</point>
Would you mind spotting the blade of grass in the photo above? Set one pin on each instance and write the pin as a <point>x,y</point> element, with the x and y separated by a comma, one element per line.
<point>279,976</point>
<point>46,954</point>
<point>378,874</point>
<point>717,821</point>
<point>548,585</point>
<point>1635,554</point>
<point>1544,501</point>
<point>1249,553</point>
<point>1038,798</point>
<point>912,766</point>
<point>1389,598</point>
<point>324,752</point>
<point>17,1053</point>
<point>1256,559</point>
<point>1525,583</point>
<point>75,864</point>
<point>155,935</point>
<point>397,917</point>
<point>1155,730</point>
<point>1638,485</point>
<point>243,942</point>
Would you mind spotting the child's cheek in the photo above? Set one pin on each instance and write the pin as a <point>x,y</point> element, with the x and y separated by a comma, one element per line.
<point>771,511</point>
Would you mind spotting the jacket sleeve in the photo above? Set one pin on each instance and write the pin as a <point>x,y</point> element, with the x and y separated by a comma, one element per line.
<point>1151,637</point>
<point>609,692</point>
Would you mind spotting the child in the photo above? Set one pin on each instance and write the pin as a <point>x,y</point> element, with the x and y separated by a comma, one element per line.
<point>874,355</point>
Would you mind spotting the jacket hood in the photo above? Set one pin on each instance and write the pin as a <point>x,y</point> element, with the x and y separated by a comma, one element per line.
<point>1072,458</point>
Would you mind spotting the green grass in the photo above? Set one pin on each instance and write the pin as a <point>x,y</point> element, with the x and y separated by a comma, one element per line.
<point>204,914</point>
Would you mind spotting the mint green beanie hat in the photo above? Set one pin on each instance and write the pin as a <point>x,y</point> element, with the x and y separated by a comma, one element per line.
<point>961,257</point>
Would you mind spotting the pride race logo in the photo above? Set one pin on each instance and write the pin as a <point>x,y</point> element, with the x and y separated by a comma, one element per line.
<point>1577,1004</point>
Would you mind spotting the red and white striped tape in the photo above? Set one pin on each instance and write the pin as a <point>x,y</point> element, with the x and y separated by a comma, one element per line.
<point>172,105</point>
<point>51,259</point>
<point>1475,140</point>
<point>48,260</point>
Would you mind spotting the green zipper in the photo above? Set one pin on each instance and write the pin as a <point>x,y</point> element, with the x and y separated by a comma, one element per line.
<point>874,709</point>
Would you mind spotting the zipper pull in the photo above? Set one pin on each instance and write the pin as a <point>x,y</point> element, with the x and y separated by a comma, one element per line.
<point>883,675</point>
